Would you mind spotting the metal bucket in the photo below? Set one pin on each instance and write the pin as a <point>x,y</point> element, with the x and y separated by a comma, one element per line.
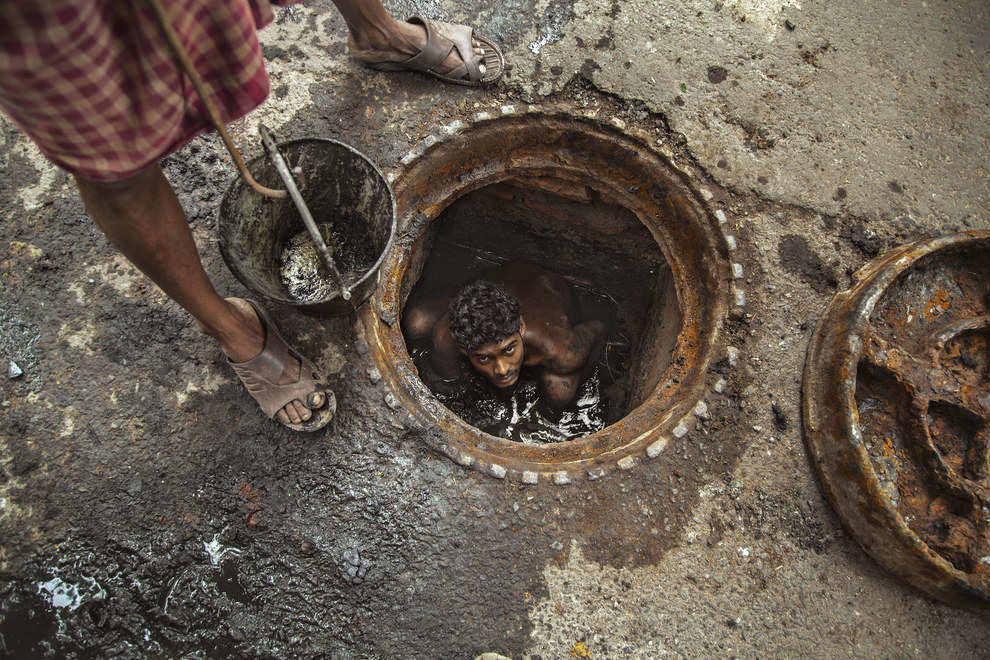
<point>342,188</point>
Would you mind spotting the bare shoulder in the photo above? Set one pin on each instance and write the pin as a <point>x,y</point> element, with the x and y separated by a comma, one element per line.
<point>442,339</point>
<point>544,297</point>
<point>565,349</point>
<point>445,354</point>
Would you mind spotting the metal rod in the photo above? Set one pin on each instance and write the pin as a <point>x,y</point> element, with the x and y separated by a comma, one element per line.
<point>283,170</point>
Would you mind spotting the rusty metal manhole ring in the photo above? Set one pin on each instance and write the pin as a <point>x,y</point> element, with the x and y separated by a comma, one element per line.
<point>896,403</point>
<point>533,145</point>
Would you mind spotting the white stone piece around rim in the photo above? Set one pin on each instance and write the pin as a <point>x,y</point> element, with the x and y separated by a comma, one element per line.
<point>454,127</point>
<point>597,473</point>
<point>656,448</point>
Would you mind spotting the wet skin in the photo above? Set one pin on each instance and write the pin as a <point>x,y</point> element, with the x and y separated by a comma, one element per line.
<point>562,351</point>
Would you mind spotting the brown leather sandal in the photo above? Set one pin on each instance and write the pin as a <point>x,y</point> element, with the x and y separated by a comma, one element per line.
<point>441,38</point>
<point>260,375</point>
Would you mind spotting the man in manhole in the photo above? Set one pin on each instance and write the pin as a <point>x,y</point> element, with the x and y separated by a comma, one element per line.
<point>518,318</point>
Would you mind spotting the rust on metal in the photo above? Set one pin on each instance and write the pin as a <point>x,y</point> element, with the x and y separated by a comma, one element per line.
<point>565,155</point>
<point>896,401</point>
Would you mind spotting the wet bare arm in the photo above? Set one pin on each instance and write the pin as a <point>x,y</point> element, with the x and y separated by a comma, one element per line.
<point>580,351</point>
<point>445,356</point>
<point>567,369</point>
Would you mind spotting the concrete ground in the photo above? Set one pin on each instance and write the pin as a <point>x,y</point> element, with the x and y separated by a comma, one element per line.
<point>148,508</point>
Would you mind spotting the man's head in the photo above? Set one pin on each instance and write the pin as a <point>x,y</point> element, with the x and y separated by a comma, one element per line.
<point>487,327</point>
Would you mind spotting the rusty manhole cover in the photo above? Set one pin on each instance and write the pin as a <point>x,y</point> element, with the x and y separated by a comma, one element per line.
<point>896,400</point>
<point>568,190</point>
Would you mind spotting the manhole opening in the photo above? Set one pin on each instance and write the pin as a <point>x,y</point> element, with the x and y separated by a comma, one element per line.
<point>607,213</point>
<point>613,264</point>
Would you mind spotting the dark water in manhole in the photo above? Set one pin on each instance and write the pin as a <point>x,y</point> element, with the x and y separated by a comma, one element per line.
<point>303,272</point>
<point>518,414</point>
<point>481,232</point>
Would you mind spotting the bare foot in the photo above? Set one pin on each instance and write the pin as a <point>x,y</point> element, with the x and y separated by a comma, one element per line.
<point>406,40</point>
<point>247,341</point>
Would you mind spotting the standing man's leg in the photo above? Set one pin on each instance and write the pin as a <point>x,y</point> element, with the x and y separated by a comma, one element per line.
<point>143,219</point>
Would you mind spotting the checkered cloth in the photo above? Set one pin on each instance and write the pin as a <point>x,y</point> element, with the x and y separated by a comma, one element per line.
<point>95,85</point>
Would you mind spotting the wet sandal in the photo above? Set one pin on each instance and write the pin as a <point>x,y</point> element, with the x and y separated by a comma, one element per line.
<point>441,38</point>
<point>260,376</point>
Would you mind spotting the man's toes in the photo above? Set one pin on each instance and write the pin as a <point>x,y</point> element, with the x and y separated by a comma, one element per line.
<point>294,413</point>
<point>302,412</point>
<point>316,400</point>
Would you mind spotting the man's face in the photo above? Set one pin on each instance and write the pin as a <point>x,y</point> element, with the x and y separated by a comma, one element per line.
<point>500,361</point>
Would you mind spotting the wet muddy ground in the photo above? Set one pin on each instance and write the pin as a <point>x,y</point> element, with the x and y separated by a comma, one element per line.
<point>148,508</point>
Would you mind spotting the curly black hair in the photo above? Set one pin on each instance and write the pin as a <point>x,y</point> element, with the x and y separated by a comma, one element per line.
<point>483,312</point>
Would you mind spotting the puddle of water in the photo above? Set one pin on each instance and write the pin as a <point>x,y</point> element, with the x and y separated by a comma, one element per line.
<point>25,624</point>
<point>229,583</point>
<point>225,559</point>
<point>32,623</point>
<point>217,551</point>
<point>60,594</point>
<point>199,583</point>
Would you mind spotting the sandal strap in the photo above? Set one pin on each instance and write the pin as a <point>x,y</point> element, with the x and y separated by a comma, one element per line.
<point>260,374</point>
<point>441,39</point>
<point>436,50</point>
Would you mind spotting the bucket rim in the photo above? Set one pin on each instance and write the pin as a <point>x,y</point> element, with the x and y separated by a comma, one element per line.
<point>237,183</point>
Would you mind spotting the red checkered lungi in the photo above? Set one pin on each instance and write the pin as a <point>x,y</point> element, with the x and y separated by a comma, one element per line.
<point>95,85</point>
